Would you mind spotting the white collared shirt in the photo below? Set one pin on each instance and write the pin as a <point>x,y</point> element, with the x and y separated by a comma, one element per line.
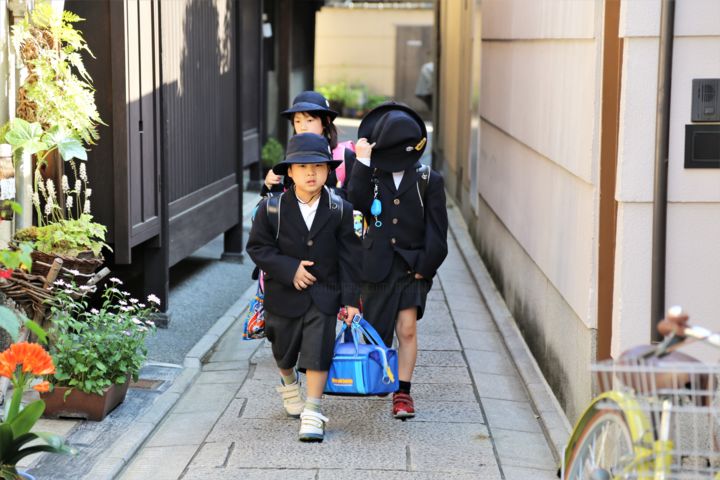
<point>308,211</point>
<point>397,176</point>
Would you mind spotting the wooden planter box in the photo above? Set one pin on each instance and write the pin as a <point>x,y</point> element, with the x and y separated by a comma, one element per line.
<point>83,405</point>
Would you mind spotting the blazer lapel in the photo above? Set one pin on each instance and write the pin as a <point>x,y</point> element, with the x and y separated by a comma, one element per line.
<point>322,215</point>
<point>291,203</point>
<point>387,179</point>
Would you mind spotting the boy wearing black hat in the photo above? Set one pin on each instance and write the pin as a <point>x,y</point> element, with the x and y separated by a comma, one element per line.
<point>406,240</point>
<point>306,245</point>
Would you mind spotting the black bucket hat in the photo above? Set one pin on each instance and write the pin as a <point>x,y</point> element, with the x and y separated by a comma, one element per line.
<point>399,135</point>
<point>309,101</point>
<point>306,148</point>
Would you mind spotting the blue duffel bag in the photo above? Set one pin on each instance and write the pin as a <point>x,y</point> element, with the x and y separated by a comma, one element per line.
<point>361,368</point>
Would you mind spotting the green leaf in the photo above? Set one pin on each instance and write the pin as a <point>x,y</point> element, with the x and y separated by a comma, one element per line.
<point>37,330</point>
<point>70,148</point>
<point>9,322</point>
<point>26,136</point>
<point>6,440</point>
<point>27,418</point>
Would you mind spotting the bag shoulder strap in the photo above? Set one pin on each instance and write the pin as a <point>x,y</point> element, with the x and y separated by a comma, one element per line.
<point>423,180</point>
<point>336,204</point>
<point>273,212</point>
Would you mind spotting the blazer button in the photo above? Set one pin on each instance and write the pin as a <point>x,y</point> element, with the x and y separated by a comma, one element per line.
<point>309,243</point>
<point>392,240</point>
<point>396,201</point>
<point>395,220</point>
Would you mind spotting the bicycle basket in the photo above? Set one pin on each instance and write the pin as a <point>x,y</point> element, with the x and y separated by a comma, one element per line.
<point>688,390</point>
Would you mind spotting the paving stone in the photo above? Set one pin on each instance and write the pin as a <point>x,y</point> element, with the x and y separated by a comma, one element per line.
<point>235,473</point>
<point>171,460</point>
<point>394,475</point>
<point>439,358</point>
<point>477,457</point>
<point>444,391</point>
<point>183,429</point>
<point>231,365</point>
<point>481,340</point>
<point>520,473</point>
<point>234,377</point>
<point>523,449</point>
<point>206,398</point>
<point>503,387</point>
<point>475,320</point>
<point>441,375</point>
<point>511,415</point>
<point>472,305</point>
<point>481,361</point>
<point>431,341</point>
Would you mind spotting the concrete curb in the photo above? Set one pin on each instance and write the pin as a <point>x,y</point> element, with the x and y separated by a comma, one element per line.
<point>125,447</point>
<point>557,427</point>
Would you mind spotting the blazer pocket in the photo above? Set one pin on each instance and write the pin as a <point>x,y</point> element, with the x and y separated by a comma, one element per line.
<point>367,243</point>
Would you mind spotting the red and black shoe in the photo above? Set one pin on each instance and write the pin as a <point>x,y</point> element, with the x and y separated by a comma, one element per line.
<point>403,406</point>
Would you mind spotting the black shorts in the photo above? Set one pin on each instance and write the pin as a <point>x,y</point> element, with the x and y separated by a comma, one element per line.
<point>400,290</point>
<point>306,341</point>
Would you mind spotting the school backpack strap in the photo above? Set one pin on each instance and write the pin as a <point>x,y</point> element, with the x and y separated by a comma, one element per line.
<point>273,212</point>
<point>335,203</point>
<point>423,180</point>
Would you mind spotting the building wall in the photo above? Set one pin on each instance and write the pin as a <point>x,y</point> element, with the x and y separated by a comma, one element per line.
<point>693,225</point>
<point>537,170</point>
<point>358,45</point>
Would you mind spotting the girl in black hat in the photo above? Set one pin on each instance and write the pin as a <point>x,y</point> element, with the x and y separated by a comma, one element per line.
<point>406,239</point>
<point>305,244</point>
<point>311,113</point>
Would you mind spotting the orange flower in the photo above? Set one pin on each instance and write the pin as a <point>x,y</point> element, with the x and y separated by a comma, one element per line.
<point>42,386</point>
<point>8,363</point>
<point>33,357</point>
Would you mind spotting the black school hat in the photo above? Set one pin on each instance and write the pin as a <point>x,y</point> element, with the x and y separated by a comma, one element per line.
<point>306,148</point>
<point>309,101</point>
<point>399,135</point>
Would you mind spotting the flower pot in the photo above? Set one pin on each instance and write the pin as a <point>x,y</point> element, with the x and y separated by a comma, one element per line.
<point>79,404</point>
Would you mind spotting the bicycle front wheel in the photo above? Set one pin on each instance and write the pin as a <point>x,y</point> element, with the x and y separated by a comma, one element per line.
<point>603,449</point>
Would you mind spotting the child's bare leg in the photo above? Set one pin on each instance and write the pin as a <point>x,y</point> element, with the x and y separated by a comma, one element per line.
<point>406,329</point>
<point>315,383</point>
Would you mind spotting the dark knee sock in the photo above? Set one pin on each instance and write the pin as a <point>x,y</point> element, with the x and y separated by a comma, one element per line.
<point>404,387</point>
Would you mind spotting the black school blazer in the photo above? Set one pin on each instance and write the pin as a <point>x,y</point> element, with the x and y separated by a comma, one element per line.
<point>330,243</point>
<point>415,228</point>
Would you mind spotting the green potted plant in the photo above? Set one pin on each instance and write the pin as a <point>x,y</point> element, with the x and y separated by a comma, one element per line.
<point>56,118</point>
<point>97,352</point>
<point>271,154</point>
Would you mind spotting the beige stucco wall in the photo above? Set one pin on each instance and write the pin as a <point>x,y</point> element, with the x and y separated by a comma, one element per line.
<point>358,45</point>
<point>693,225</point>
<point>536,224</point>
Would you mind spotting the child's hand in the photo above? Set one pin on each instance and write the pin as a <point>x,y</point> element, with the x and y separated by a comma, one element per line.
<point>418,276</point>
<point>303,279</point>
<point>351,312</point>
<point>272,179</point>
<point>363,149</point>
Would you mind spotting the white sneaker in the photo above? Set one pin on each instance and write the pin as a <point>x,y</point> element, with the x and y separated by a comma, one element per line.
<point>312,428</point>
<point>292,399</point>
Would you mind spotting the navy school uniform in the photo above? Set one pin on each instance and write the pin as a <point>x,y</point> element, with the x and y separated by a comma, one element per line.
<point>301,323</point>
<point>412,239</point>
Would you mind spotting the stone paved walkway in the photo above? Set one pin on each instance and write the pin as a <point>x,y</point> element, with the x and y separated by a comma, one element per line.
<point>475,417</point>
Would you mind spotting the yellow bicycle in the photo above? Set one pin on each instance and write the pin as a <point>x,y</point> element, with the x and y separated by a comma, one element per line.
<point>657,418</point>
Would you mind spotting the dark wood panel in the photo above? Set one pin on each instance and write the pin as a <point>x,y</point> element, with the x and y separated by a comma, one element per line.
<point>251,147</point>
<point>194,228</point>
<point>189,201</point>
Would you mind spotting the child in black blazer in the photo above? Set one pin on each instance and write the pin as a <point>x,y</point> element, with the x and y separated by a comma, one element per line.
<point>306,245</point>
<point>406,241</point>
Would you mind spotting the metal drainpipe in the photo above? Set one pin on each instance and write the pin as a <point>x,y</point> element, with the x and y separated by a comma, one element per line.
<point>662,129</point>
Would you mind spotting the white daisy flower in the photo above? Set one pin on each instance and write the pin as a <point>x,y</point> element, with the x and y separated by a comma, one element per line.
<point>60,282</point>
<point>122,302</point>
<point>136,321</point>
<point>153,299</point>
<point>94,311</point>
<point>116,281</point>
<point>134,301</point>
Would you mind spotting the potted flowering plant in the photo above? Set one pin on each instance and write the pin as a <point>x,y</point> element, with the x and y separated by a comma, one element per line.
<point>25,364</point>
<point>56,118</point>
<point>96,351</point>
